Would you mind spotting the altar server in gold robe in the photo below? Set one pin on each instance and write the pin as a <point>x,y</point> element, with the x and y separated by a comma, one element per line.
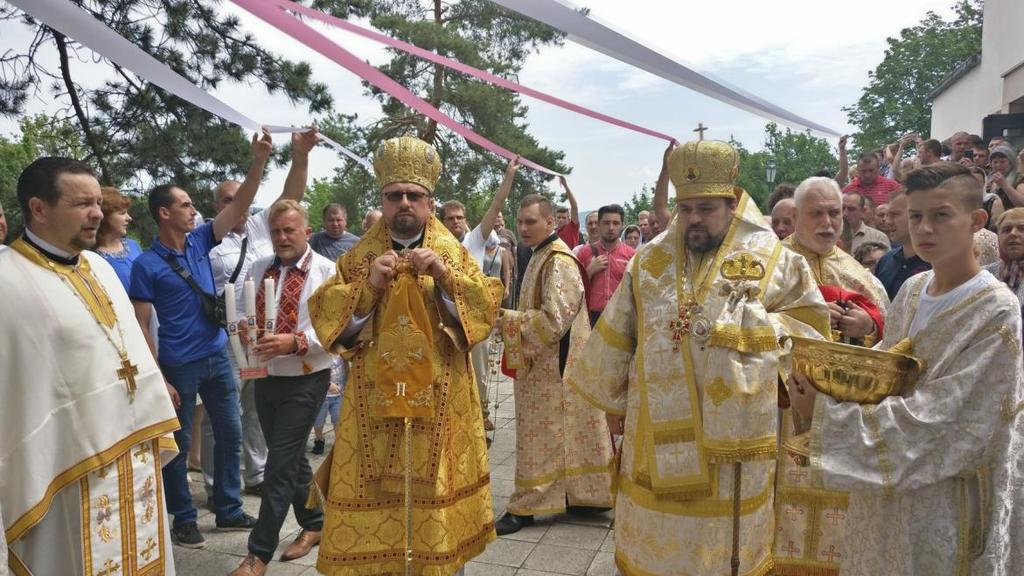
<point>452,306</point>
<point>86,416</point>
<point>934,473</point>
<point>686,360</point>
<point>563,448</point>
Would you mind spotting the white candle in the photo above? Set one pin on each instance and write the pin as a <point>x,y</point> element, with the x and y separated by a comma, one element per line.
<point>232,316</point>
<point>249,292</point>
<point>270,304</point>
<point>229,303</point>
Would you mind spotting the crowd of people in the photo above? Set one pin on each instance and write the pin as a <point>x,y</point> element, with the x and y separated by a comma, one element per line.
<point>650,365</point>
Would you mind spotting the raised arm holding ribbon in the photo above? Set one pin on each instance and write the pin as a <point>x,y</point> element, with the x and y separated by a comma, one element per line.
<point>685,360</point>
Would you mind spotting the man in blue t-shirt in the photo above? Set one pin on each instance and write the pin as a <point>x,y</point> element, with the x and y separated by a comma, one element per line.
<point>192,352</point>
<point>900,263</point>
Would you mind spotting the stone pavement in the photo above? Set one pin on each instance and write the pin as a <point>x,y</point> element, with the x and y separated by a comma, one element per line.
<point>559,544</point>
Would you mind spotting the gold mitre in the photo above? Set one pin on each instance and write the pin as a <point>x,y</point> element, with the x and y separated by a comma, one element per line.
<point>406,159</point>
<point>704,169</point>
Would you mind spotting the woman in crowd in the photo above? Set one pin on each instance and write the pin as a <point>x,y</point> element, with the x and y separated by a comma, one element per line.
<point>112,240</point>
<point>631,236</point>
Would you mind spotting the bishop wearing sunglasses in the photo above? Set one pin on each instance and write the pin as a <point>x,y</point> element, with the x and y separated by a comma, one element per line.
<point>405,307</point>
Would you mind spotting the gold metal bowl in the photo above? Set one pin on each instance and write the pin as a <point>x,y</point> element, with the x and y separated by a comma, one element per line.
<point>853,373</point>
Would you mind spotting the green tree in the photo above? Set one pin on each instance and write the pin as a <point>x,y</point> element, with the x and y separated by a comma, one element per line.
<point>797,155</point>
<point>638,203</point>
<point>135,133</point>
<point>895,100</point>
<point>39,136</point>
<point>479,33</point>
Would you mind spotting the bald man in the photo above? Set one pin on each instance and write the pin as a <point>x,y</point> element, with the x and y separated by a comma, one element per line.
<point>229,259</point>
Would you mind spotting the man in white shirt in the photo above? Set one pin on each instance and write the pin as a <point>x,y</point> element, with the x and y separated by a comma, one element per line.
<point>289,398</point>
<point>453,215</point>
<point>854,208</point>
<point>254,232</point>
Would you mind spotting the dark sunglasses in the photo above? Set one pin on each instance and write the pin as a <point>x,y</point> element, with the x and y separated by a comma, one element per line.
<point>412,197</point>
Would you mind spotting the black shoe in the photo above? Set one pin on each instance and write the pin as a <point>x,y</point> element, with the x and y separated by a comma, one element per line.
<point>511,523</point>
<point>586,510</point>
<point>255,489</point>
<point>187,535</point>
<point>243,522</point>
<point>318,447</point>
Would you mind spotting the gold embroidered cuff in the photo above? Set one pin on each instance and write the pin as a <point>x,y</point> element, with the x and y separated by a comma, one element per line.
<point>368,298</point>
<point>511,334</point>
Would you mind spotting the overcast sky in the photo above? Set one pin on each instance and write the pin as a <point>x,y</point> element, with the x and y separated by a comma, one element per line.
<point>809,56</point>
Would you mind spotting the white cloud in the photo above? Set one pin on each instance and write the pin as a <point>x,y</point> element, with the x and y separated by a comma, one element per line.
<point>810,56</point>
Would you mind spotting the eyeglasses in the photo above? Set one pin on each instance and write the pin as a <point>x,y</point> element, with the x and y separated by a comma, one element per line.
<point>412,197</point>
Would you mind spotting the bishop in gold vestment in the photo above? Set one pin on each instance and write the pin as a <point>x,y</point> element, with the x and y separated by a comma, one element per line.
<point>563,448</point>
<point>688,351</point>
<point>812,520</point>
<point>363,480</point>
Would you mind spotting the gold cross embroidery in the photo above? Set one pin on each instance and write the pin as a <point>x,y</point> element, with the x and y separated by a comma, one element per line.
<point>127,372</point>
<point>110,568</point>
<point>148,550</point>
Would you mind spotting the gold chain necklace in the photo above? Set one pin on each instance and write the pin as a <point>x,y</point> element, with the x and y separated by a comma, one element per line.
<point>127,371</point>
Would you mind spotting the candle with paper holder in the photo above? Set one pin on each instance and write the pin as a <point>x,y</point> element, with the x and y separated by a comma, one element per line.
<point>231,314</point>
<point>256,368</point>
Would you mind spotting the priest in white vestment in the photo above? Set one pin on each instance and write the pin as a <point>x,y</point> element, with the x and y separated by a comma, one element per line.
<point>86,416</point>
<point>935,474</point>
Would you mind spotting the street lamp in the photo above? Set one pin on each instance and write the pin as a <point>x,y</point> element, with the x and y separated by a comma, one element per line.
<point>769,172</point>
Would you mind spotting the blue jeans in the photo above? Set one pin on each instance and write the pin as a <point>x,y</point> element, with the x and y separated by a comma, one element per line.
<point>212,379</point>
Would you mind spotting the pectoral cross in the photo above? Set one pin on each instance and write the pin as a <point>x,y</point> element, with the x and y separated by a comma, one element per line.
<point>700,130</point>
<point>127,373</point>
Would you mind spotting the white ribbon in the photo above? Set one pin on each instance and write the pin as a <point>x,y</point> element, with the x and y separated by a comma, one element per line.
<point>588,32</point>
<point>75,23</point>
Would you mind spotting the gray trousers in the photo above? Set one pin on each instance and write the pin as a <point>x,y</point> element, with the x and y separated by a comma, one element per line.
<point>480,358</point>
<point>254,446</point>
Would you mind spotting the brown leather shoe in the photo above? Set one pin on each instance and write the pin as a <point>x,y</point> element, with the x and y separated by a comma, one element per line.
<point>302,545</point>
<point>251,566</point>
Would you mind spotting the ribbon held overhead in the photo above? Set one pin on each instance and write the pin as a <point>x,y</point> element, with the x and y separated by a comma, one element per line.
<point>460,67</point>
<point>75,23</point>
<point>300,31</point>
<point>588,32</point>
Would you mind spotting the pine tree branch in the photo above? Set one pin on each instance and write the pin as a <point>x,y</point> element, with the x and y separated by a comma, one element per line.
<point>83,120</point>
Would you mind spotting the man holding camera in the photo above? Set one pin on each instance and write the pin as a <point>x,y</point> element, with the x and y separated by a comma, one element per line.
<point>174,279</point>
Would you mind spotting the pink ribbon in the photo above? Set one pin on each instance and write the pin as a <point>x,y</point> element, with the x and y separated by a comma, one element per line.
<point>464,68</point>
<point>288,24</point>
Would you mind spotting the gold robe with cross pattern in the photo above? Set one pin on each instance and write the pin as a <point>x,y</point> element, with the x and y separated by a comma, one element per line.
<point>694,408</point>
<point>80,457</point>
<point>812,520</point>
<point>563,448</point>
<point>934,475</point>
<point>362,481</point>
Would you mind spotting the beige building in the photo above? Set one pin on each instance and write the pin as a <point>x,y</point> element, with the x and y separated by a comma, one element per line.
<point>985,95</point>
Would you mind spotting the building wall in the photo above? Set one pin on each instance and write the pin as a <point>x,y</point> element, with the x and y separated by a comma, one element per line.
<point>964,104</point>
<point>982,91</point>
